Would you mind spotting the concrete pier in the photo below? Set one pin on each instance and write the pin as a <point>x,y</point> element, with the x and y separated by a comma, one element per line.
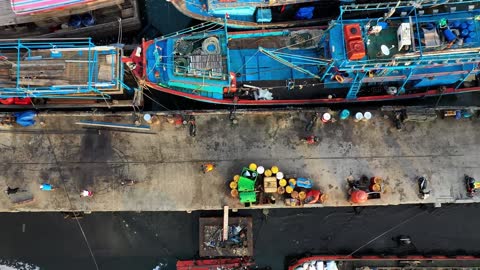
<point>166,160</point>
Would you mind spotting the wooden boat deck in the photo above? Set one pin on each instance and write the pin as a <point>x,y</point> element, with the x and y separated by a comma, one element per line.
<point>7,17</point>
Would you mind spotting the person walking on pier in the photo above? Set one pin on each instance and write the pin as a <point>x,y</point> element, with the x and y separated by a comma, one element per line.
<point>86,193</point>
<point>46,187</point>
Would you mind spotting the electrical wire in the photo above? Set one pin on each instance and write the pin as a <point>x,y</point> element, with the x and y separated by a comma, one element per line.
<point>387,231</point>
<point>60,172</point>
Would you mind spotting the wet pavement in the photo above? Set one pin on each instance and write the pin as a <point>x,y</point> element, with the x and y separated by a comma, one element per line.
<point>166,160</point>
<point>139,241</point>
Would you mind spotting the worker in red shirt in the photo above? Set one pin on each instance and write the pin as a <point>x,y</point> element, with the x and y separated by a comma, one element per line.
<point>311,139</point>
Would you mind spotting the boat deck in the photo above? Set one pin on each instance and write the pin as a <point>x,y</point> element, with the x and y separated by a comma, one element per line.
<point>82,70</point>
<point>166,161</point>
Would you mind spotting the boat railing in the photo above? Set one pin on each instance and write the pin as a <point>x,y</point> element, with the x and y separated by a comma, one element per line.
<point>206,26</point>
<point>403,4</point>
<point>70,67</point>
<point>415,59</point>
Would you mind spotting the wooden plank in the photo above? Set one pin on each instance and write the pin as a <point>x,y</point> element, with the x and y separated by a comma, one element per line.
<point>43,82</point>
<point>113,125</point>
<point>225,223</point>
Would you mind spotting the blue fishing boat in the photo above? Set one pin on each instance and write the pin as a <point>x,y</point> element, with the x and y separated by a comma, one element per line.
<point>410,50</point>
<point>251,14</point>
<point>35,72</point>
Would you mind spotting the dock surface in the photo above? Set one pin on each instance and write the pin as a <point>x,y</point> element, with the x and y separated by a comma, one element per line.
<point>166,160</point>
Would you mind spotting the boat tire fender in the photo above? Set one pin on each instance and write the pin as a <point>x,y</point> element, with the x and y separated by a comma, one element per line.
<point>339,78</point>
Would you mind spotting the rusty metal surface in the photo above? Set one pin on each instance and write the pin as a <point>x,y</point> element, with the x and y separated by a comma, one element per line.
<point>214,225</point>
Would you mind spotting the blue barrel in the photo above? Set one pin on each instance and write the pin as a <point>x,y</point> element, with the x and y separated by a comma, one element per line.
<point>75,21</point>
<point>471,28</point>
<point>463,26</point>
<point>467,40</point>
<point>472,35</point>
<point>449,35</point>
<point>88,20</point>
<point>456,24</point>
<point>464,33</point>
<point>344,114</point>
<point>470,22</point>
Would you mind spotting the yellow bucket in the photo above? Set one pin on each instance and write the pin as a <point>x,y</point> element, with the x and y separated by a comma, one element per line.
<point>274,169</point>
<point>289,189</point>
<point>302,195</point>
<point>252,166</point>
<point>268,173</point>
<point>292,182</point>
<point>282,182</point>
<point>236,177</point>
<point>233,185</point>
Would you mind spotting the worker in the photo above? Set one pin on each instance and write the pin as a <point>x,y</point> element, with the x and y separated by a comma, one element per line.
<point>208,167</point>
<point>311,139</point>
<point>86,193</point>
<point>46,187</point>
<point>471,189</point>
<point>11,190</point>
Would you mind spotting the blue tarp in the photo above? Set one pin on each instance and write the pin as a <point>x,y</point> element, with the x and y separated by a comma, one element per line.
<point>26,118</point>
<point>304,13</point>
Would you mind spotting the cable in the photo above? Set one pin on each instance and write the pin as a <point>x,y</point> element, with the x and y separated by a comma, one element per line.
<point>70,201</point>
<point>387,231</point>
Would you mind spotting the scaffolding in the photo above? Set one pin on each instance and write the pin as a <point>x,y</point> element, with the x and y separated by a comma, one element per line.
<point>59,68</point>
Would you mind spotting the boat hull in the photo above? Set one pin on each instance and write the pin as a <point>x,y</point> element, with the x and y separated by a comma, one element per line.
<point>417,261</point>
<point>318,101</point>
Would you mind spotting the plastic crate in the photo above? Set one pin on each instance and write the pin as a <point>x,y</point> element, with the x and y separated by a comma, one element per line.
<point>248,197</point>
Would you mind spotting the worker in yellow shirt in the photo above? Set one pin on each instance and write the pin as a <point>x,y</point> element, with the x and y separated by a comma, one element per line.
<point>208,167</point>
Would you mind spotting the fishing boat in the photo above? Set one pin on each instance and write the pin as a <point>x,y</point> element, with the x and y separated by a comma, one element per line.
<point>61,72</point>
<point>409,50</point>
<point>250,14</point>
<point>67,18</point>
<point>339,262</point>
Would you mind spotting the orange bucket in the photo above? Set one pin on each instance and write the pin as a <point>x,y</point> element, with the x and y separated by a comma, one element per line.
<point>375,187</point>
<point>234,193</point>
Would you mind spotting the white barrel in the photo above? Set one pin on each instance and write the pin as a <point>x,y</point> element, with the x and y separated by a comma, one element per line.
<point>358,116</point>
<point>148,118</point>
<point>367,116</point>
<point>326,117</point>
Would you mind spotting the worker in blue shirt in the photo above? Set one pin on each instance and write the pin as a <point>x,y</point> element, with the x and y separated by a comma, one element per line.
<point>46,187</point>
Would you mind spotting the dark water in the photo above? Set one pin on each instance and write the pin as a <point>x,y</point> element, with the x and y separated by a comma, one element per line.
<point>137,241</point>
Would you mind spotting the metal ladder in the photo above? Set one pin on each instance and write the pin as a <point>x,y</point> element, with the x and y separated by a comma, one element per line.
<point>356,85</point>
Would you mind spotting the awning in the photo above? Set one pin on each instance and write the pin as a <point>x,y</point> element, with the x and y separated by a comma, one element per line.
<point>33,6</point>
